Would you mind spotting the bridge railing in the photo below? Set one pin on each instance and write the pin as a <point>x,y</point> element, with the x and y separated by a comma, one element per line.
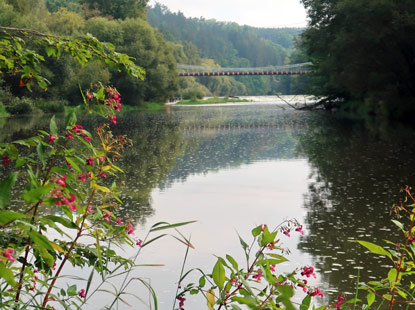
<point>286,68</point>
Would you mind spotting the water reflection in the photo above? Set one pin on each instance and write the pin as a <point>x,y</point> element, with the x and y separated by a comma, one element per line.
<point>357,173</point>
<point>232,168</point>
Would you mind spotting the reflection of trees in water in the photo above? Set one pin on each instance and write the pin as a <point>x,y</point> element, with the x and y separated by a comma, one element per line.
<point>157,143</point>
<point>218,138</point>
<point>358,171</point>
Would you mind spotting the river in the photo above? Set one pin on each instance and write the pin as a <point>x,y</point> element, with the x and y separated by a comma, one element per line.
<point>231,168</point>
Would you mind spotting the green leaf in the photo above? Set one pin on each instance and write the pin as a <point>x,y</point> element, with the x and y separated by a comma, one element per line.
<point>61,220</point>
<point>376,249</point>
<point>305,304</point>
<point>5,189</point>
<point>218,274</point>
<point>34,195</point>
<point>100,94</point>
<point>243,243</point>
<point>71,120</point>
<point>72,291</point>
<point>286,291</point>
<point>370,298</point>
<point>156,227</point>
<point>249,301</point>
<point>40,240</point>
<point>41,153</point>
<point>53,127</point>
<point>9,216</point>
<point>256,231</point>
<point>73,163</point>
<point>7,275</point>
<point>202,281</point>
<point>232,261</point>
<point>392,274</point>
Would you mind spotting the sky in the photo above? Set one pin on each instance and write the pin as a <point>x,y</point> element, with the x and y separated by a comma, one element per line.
<point>258,13</point>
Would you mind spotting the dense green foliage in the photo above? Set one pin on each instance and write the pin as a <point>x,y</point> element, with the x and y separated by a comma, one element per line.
<point>363,51</point>
<point>62,74</point>
<point>212,43</point>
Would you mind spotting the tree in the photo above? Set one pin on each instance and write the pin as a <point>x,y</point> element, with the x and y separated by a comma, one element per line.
<point>118,9</point>
<point>363,50</point>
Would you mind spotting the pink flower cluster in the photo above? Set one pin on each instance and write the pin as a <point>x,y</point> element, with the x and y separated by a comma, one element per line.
<point>181,300</point>
<point>6,160</point>
<point>114,99</point>
<point>339,302</point>
<point>130,229</point>
<point>107,216</point>
<point>51,139</point>
<point>58,194</point>
<point>78,130</point>
<point>316,292</point>
<point>308,271</point>
<point>8,254</point>
<point>258,276</point>
<point>81,293</point>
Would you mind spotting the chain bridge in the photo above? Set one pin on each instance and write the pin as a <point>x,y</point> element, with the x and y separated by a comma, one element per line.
<point>293,69</point>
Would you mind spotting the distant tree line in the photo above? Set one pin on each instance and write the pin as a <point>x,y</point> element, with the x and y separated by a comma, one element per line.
<point>123,23</point>
<point>213,43</point>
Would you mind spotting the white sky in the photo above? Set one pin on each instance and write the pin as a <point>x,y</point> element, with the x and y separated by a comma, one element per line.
<point>258,13</point>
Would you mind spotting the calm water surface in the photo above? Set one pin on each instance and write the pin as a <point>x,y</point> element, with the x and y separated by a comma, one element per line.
<point>234,167</point>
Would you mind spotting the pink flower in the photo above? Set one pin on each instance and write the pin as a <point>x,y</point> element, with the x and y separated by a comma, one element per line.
<point>130,229</point>
<point>89,209</point>
<point>62,181</point>
<point>300,229</point>
<point>6,160</point>
<point>89,174</point>
<point>8,254</point>
<point>339,302</point>
<point>107,216</point>
<point>102,158</point>
<point>113,120</point>
<point>86,138</point>
<point>139,243</point>
<point>54,266</point>
<point>120,222</point>
<point>103,174</point>
<point>258,276</point>
<point>303,286</point>
<point>317,292</point>
<point>181,300</point>
<point>51,139</point>
<point>69,135</point>
<point>263,227</point>
<point>272,268</point>
<point>287,233</point>
<point>82,293</point>
<point>68,164</point>
<point>78,128</point>
<point>308,271</point>
<point>90,161</point>
<point>82,177</point>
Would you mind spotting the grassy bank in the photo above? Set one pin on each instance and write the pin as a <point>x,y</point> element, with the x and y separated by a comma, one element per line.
<point>213,100</point>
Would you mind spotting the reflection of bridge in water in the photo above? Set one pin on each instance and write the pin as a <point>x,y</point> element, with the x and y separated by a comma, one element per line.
<point>293,69</point>
<point>230,126</point>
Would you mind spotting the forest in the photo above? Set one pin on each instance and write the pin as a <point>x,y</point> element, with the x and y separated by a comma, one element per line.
<point>157,39</point>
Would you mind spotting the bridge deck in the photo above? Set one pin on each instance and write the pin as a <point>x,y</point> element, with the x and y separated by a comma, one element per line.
<point>230,73</point>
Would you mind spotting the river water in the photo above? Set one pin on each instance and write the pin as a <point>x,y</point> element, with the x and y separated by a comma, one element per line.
<point>231,168</point>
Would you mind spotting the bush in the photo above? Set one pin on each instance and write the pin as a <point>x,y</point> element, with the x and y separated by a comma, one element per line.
<point>52,106</point>
<point>19,106</point>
